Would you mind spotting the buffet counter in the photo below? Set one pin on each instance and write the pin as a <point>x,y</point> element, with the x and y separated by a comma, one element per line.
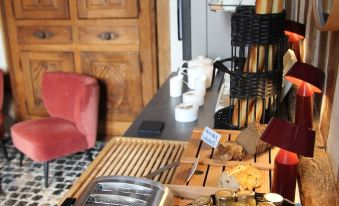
<point>139,156</point>
<point>161,108</point>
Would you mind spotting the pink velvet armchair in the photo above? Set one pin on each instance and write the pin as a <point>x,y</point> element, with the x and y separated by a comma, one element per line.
<point>72,103</point>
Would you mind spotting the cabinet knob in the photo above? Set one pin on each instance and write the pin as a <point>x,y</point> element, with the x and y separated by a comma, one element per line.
<point>43,34</point>
<point>107,35</point>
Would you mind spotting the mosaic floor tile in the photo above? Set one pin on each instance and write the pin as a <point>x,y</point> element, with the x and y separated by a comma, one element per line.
<point>23,186</point>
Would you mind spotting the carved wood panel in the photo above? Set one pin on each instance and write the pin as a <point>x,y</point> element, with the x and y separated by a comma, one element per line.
<point>41,9</point>
<point>120,82</point>
<point>34,64</point>
<point>107,8</point>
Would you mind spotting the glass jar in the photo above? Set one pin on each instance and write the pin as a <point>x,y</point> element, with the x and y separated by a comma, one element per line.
<point>202,201</point>
<point>246,196</point>
<point>225,197</point>
<point>239,204</point>
<point>265,204</point>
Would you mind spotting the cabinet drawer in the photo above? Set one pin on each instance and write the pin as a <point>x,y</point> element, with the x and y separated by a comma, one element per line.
<point>109,35</point>
<point>44,34</point>
<point>46,9</point>
<point>120,78</point>
<point>107,8</point>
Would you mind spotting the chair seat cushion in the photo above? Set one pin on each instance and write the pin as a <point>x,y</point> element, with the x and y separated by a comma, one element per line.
<point>47,139</point>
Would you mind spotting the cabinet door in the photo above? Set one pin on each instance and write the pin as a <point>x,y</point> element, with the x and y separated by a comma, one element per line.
<point>42,9</point>
<point>120,79</point>
<point>34,64</point>
<point>107,8</point>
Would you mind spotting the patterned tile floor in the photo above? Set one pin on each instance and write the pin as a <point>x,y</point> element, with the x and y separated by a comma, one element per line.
<point>24,185</point>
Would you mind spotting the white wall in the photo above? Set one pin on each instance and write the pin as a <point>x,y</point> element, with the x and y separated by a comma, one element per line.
<point>176,45</point>
<point>211,31</point>
<point>3,63</point>
<point>333,136</point>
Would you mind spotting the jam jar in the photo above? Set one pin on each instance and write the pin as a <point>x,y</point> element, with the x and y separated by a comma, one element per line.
<point>202,201</point>
<point>225,197</point>
<point>246,196</point>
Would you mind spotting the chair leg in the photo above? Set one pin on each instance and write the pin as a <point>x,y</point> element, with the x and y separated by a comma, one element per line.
<point>3,147</point>
<point>89,155</point>
<point>46,173</point>
<point>1,192</point>
<point>21,158</point>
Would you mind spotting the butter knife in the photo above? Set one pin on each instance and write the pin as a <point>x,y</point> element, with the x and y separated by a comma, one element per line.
<point>161,170</point>
<point>194,167</point>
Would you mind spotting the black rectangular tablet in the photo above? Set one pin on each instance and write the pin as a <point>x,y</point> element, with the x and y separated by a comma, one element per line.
<point>151,127</point>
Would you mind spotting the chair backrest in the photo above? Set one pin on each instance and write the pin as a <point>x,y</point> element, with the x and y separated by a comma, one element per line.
<point>74,97</point>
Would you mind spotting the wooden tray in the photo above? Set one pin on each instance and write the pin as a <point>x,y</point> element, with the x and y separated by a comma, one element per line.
<point>212,169</point>
<point>130,157</point>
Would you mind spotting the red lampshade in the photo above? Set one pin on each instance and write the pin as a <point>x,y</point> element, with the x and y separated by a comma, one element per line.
<point>300,72</point>
<point>289,136</point>
<point>294,30</point>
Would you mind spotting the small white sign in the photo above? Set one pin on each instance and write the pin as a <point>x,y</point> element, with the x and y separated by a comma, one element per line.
<point>210,137</point>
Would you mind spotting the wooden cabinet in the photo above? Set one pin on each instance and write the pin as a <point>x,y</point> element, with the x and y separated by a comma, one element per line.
<point>42,9</point>
<point>111,40</point>
<point>108,8</point>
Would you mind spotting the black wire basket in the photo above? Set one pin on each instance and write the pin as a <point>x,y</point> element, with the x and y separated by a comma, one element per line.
<point>256,68</point>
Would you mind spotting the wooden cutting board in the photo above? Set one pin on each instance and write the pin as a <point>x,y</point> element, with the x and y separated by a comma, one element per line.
<point>130,157</point>
<point>211,170</point>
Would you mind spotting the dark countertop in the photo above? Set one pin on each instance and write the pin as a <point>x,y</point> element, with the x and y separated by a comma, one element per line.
<point>161,108</point>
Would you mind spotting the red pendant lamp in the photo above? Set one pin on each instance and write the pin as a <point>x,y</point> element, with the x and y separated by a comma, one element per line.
<point>293,139</point>
<point>308,79</point>
<point>295,32</point>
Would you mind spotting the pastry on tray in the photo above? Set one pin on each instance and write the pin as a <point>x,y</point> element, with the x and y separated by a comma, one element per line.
<point>246,176</point>
<point>229,151</point>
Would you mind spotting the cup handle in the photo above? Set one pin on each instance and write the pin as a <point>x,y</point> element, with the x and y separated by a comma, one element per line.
<point>182,70</point>
<point>181,66</point>
<point>216,59</point>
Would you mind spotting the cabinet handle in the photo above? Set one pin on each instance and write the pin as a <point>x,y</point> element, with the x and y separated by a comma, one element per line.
<point>43,34</point>
<point>107,35</point>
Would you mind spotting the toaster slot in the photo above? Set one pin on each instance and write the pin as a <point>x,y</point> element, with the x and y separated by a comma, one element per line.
<point>126,187</point>
<point>113,200</point>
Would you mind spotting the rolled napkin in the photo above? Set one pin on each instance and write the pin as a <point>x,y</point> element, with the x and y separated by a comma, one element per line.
<point>193,97</point>
<point>186,112</point>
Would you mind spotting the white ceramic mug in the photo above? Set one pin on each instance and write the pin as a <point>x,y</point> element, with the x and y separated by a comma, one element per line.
<point>200,84</point>
<point>195,72</point>
<point>176,86</point>
<point>196,68</point>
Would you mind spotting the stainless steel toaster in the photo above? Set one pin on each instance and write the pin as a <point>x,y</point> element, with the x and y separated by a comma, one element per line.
<point>125,190</point>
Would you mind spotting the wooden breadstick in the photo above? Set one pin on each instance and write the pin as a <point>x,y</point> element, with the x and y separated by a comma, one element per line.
<point>251,65</point>
<point>257,106</point>
<point>277,6</point>
<point>239,113</point>
<point>263,6</point>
